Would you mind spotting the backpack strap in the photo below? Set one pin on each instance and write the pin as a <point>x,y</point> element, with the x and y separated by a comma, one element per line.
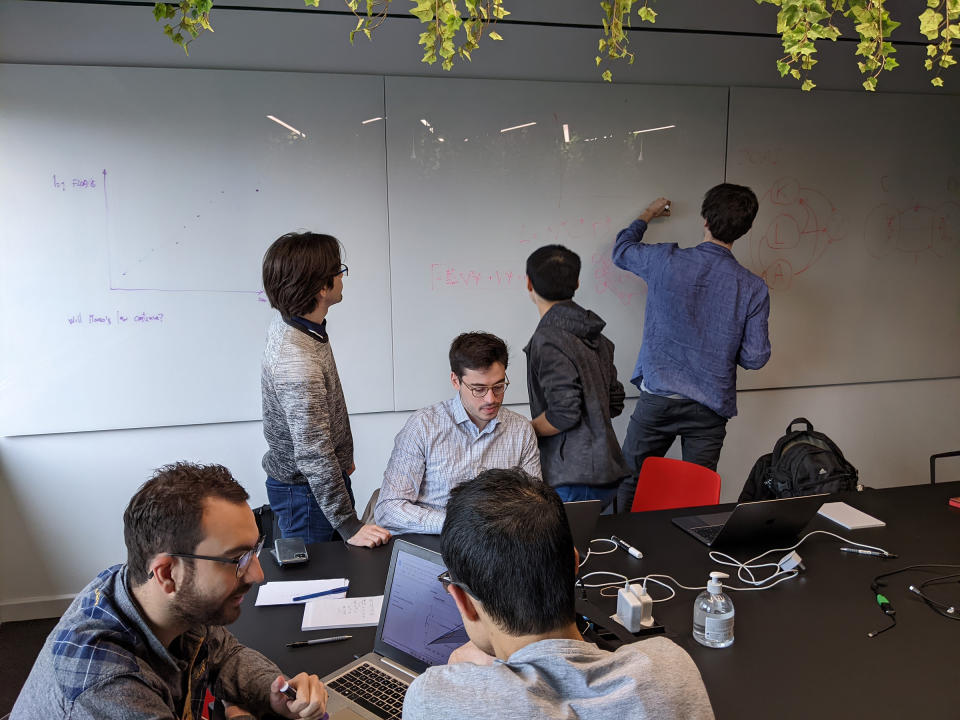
<point>796,421</point>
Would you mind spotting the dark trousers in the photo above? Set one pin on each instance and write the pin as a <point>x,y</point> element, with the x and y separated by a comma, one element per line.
<point>654,426</point>
<point>298,513</point>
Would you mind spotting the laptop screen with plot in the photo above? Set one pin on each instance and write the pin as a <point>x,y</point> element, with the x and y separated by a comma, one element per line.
<point>420,619</point>
<point>419,627</point>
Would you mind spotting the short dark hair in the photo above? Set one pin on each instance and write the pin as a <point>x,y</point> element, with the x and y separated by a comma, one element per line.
<point>166,513</point>
<point>476,351</point>
<point>554,272</point>
<point>729,211</point>
<point>296,267</point>
<point>507,539</point>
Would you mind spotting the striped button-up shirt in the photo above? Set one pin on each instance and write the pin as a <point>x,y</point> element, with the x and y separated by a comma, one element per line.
<point>439,448</point>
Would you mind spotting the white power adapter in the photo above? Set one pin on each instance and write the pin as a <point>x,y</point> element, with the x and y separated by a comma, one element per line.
<point>634,608</point>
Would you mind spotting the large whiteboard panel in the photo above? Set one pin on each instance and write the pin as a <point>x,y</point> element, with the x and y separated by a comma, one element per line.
<point>471,198</point>
<point>136,208</point>
<point>858,233</point>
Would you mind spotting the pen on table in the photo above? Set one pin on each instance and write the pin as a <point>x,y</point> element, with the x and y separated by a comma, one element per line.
<point>627,546</point>
<point>292,694</point>
<point>873,553</point>
<point>310,596</point>
<point>319,641</point>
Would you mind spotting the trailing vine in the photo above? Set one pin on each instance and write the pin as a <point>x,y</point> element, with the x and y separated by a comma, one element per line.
<point>456,27</point>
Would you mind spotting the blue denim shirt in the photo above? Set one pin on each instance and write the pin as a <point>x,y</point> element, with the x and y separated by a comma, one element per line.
<point>705,315</point>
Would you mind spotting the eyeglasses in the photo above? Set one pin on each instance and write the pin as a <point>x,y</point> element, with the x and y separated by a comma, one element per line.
<point>344,270</point>
<point>447,580</point>
<point>480,391</point>
<point>242,562</point>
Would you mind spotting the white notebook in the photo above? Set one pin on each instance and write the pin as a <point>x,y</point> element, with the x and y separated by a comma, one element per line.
<point>849,517</point>
<point>324,613</point>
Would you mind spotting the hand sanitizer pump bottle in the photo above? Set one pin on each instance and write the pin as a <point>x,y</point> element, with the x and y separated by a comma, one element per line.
<point>713,615</point>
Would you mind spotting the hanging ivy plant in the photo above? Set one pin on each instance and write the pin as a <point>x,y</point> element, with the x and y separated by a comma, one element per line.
<point>455,28</point>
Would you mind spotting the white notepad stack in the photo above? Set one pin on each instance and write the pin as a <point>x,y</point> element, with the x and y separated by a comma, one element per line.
<point>849,517</point>
<point>324,613</point>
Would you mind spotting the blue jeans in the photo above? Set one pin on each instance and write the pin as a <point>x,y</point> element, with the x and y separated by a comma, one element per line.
<point>574,493</point>
<point>298,513</point>
<point>654,426</point>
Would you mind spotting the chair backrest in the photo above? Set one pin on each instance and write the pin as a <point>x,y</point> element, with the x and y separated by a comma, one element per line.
<point>934,458</point>
<point>665,483</point>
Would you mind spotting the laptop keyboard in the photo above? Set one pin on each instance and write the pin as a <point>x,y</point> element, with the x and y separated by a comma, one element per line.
<point>707,533</point>
<point>373,690</point>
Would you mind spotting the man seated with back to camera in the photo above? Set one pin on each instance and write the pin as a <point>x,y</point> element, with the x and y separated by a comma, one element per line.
<point>146,639</point>
<point>511,568</point>
<point>445,444</point>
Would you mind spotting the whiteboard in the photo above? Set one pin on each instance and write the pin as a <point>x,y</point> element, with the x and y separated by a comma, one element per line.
<point>858,233</point>
<point>471,198</point>
<point>136,207</point>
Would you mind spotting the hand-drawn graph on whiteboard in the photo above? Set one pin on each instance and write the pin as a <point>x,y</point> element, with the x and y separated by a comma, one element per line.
<point>139,203</point>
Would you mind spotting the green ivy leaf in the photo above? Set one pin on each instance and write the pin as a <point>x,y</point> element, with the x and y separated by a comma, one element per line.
<point>607,76</point>
<point>494,35</point>
<point>808,85</point>
<point>936,82</point>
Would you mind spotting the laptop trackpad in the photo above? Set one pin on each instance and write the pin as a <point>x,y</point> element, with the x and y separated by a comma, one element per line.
<point>713,519</point>
<point>345,713</point>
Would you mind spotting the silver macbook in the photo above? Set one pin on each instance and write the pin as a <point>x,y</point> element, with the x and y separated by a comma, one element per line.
<point>419,627</point>
<point>754,522</point>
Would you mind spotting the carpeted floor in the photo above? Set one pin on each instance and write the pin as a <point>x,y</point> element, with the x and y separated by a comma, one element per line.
<point>19,644</point>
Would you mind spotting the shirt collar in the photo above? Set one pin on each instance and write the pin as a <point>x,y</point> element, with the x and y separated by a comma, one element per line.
<point>317,328</point>
<point>460,415</point>
<point>714,248</point>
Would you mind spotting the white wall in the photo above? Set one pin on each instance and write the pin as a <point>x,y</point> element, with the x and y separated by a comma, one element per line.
<point>62,496</point>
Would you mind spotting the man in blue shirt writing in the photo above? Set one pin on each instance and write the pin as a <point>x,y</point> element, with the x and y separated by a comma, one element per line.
<point>705,315</point>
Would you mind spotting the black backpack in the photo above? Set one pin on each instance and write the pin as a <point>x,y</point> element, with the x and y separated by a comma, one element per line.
<point>803,462</point>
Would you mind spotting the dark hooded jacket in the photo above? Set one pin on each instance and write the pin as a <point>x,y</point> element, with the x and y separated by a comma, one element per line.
<point>571,377</point>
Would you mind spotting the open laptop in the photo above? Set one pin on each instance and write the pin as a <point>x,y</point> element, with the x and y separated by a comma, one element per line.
<point>582,516</point>
<point>419,627</point>
<point>753,522</point>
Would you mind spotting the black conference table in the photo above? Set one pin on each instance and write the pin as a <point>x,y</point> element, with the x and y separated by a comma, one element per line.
<point>801,649</point>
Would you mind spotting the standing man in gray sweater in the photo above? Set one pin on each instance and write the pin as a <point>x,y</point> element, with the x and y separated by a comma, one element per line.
<point>310,447</point>
<point>511,566</point>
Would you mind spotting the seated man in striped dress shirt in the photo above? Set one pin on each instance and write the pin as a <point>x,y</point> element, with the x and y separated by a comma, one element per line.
<point>448,443</point>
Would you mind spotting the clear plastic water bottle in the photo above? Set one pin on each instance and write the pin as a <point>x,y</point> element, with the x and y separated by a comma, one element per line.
<point>713,615</point>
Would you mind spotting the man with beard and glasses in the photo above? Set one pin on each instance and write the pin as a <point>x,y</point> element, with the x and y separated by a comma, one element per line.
<point>445,444</point>
<point>146,639</point>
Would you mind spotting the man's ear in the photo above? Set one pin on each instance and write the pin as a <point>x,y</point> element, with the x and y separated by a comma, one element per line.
<point>464,603</point>
<point>454,380</point>
<point>529,285</point>
<point>162,566</point>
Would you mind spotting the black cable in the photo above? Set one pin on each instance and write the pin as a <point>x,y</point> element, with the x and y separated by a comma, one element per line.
<point>887,608</point>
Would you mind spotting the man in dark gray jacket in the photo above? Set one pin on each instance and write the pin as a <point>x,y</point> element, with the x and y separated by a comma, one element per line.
<point>572,384</point>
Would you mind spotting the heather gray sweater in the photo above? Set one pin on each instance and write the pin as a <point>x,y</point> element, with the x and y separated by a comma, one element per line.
<point>305,421</point>
<point>650,679</point>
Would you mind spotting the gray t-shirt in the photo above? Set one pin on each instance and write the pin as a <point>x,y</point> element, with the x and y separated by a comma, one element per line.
<point>653,678</point>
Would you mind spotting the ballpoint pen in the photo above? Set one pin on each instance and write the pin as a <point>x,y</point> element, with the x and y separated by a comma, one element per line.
<point>310,596</point>
<point>318,641</point>
<point>873,553</point>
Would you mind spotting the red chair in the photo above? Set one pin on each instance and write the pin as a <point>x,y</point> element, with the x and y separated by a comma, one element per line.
<point>665,483</point>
